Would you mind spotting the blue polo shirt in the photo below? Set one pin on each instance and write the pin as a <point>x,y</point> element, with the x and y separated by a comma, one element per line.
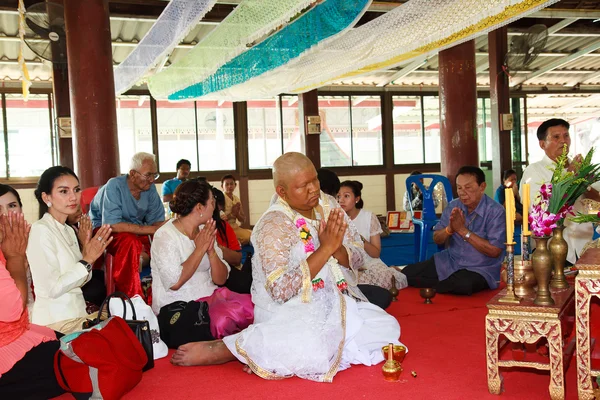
<point>114,203</point>
<point>170,185</point>
<point>488,221</point>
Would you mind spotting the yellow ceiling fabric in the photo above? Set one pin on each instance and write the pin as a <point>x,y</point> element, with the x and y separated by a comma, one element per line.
<point>248,22</point>
<point>25,80</point>
<point>415,28</point>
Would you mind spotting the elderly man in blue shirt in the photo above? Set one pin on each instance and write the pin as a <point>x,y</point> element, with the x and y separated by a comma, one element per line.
<point>130,204</point>
<point>473,228</point>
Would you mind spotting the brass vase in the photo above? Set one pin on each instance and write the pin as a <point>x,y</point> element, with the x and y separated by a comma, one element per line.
<point>558,250</point>
<point>524,278</point>
<point>542,269</point>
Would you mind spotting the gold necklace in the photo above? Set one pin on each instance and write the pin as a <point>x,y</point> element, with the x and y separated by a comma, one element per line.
<point>183,229</point>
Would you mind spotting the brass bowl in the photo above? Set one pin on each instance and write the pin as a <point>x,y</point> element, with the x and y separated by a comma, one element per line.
<point>427,294</point>
<point>398,351</point>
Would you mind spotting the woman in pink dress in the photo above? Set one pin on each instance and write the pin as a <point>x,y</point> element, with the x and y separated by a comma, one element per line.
<point>26,350</point>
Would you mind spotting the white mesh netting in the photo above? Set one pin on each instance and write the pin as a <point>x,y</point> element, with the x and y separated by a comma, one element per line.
<point>176,21</point>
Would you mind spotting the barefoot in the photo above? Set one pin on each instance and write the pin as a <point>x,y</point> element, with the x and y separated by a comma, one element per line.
<point>247,370</point>
<point>202,353</point>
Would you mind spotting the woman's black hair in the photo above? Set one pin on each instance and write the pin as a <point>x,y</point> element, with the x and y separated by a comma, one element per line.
<point>9,189</point>
<point>219,200</point>
<point>507,174</point>
<point>46,184</point>
<point>330,183</point>
<point>356,187</point>
<point>188,195</point>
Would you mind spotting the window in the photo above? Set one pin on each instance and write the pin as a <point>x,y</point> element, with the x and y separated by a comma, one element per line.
<point>431,119</point>
<point>28,123</point>
<point>408,130</point>
<point>216,141</point>
<point>2,142</point>
<point>351,130</point>
<point>134,127</point>
<point>366,130</point>
<point>293,139</point>
<point>176,134</point>
<point>273,129</point>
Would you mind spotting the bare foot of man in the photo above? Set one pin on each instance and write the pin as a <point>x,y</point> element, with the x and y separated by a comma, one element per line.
<point>202,353</point>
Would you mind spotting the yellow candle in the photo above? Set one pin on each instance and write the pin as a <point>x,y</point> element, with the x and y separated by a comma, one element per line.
<point>526,200</point>
<point>509,220</point>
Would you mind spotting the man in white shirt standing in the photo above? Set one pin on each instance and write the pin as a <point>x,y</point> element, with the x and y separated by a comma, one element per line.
<point>553,135</point>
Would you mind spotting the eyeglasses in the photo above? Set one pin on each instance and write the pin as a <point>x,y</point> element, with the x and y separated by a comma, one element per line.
<point>150,176</point>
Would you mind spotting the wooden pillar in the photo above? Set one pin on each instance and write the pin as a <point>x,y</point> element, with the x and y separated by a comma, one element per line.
<point>240,124</point>
<point>499,96</point>
<point>458,109</point>
<point>91,82</point>
<point>387,131</point>
<point>60,91</point>
<point>308,106</point>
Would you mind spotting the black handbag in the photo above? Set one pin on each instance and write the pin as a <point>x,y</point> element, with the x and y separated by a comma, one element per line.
<point>140,328</point>
<point>184,322</point>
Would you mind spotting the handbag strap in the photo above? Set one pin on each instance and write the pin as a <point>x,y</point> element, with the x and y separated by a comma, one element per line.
<point>59,355</point>
<point>123,297</point>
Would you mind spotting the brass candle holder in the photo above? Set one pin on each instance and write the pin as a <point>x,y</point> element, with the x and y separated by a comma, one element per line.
<point>526,246</point>
<point>510,296</point>
<point>394,291</point>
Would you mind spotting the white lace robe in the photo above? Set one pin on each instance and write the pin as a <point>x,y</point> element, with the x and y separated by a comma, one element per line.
<point>298,331</point>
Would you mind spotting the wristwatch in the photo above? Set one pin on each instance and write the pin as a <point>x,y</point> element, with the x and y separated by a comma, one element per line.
<point>467,236</point>
<point>87,265</point>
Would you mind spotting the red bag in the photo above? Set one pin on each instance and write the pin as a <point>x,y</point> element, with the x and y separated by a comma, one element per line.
<point>105,362</point>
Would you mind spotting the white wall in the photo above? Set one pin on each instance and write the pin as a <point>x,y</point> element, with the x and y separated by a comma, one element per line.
<point>373,193</point>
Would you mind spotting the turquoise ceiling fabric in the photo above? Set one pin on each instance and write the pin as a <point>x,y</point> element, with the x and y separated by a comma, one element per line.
<point>318,24</point>
<point>250,21</point>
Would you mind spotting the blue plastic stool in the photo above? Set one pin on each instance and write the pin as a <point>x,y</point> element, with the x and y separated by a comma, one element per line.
<point>424,225</point>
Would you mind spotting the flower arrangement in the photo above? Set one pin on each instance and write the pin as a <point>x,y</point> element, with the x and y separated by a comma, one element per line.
<point>556,199</point>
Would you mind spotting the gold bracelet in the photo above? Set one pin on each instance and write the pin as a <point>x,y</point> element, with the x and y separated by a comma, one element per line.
<point>448,231</point>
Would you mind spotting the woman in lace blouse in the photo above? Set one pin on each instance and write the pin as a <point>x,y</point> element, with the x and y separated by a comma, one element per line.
<point>373,271</point>
<point>188,265</point>
<point>59,267</point>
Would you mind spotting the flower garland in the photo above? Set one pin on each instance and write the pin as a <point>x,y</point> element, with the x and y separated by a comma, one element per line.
<point>309,248</point>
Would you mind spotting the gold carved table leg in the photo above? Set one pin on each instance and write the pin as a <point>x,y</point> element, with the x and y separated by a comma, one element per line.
<point>584,289</point>
<point>491,342</point>
<point>524,329</point>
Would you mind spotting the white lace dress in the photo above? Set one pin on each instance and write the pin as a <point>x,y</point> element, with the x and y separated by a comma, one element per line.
<point>299,331</point>
<point>374,271</point>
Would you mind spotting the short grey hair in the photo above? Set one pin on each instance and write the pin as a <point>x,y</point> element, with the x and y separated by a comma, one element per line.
<point>138,159</point>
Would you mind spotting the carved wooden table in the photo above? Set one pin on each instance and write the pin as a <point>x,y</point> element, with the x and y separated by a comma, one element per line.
<point>587,284</point>
<point>527,323</point>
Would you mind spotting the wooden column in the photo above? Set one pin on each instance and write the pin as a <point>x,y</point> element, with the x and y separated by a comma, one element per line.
<point>387,131</point>
<point>308,106</point>
<point>91,82</point>
<point>240,123</point>
<point>499,96</point>
<point>61,100</point>
<point>458,109</point>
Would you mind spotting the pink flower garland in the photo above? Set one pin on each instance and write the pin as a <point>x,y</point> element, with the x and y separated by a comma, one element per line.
<point>309,248</point>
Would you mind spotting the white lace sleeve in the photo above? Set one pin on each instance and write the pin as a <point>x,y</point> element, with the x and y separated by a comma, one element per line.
<point>375,226</point>
<point>284,275</point>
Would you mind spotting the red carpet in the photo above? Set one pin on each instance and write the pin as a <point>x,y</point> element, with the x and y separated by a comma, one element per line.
<point>446,342</point>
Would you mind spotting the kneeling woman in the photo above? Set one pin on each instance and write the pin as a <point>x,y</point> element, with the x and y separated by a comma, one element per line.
<point>187,264</point>
<point>58,267</point>
<point>374,271</point>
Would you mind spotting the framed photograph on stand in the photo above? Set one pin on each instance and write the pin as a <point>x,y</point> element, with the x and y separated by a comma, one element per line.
<point>400,221</point>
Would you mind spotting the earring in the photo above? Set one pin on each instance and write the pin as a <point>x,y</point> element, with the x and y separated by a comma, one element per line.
<point>49,204</point>
<point>200,215</point>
